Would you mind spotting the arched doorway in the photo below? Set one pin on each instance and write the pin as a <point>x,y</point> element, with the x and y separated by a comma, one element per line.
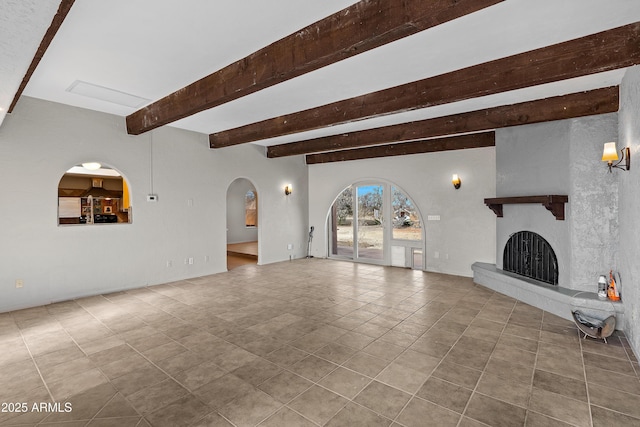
<point>376,222</point>
<point>242,224</point>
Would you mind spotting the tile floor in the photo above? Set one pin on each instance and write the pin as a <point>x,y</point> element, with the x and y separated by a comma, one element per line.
<point>310,343</point>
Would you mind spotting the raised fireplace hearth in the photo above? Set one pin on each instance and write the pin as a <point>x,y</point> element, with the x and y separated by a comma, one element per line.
<point>554,299</point>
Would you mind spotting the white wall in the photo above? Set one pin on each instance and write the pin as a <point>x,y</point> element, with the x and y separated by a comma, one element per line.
<point>629,205</point>
<point>40,140</point>
<point>237,230</point>
<point>466,231</point>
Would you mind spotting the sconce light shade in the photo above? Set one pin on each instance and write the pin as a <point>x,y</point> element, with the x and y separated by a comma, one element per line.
<point>455,180</point>
<point>92,166</point>
<point>288,189</point>
<point>610,152</point>
<point>610,155</point>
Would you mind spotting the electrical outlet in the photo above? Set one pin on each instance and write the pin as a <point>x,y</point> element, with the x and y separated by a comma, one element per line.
<point>19,283</point>
<point>290,246</point>
<point>191,261</point>
<point>169,263</point>
<point>207,258</point>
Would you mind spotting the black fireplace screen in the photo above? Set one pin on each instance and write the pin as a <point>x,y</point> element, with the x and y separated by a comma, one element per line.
<point>529,254</point>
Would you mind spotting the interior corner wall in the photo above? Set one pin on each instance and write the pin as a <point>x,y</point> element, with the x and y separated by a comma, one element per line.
<point>237,230</point>
<point>593,201</point>
<point>40,140</point>
<point>629,205</point>
<point>465,232</point>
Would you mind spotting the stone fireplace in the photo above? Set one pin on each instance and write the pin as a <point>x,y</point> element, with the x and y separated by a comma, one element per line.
<point>559,158</point>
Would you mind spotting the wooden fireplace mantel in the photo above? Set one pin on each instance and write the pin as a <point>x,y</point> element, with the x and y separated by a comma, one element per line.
<point>553,202</point>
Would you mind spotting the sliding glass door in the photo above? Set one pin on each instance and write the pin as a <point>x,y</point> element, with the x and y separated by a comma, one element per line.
<point>376,223</point>
<point>370,226</point>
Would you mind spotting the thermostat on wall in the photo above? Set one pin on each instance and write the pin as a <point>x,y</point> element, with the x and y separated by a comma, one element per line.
<point>152,197</point>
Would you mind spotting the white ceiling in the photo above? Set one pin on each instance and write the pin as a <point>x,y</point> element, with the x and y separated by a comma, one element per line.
<point>150,48</point>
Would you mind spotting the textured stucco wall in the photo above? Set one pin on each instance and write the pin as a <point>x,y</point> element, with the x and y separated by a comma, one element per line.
<point>562,157</point>
<point>629,205</point>
<point>593,196</point>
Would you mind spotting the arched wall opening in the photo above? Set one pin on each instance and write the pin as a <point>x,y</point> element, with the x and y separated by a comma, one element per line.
<point>93,194</point>
<point>243,216</point>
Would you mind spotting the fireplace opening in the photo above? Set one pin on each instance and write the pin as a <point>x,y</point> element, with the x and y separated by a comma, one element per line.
<point>529,254</point>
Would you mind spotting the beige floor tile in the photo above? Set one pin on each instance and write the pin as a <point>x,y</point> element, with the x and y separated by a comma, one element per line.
<point>139,379</point>
<point>152,398</point>
<point>257,371</point>
<point>383,350</point>
<point>457,374</point>
<point>383,399</point>
<point>345,382</point>
<point>366,364</point>
<point>184,411</point>
<point>560,407</point>
<point>420,413</point>
<point>605,418</point>
<point>336,353</point>
<point>445,394</point>
<point>285,386</point>
<point>286,356</point>
<point>559,384</point>
<point>250,409</point>
<point>626,403</point>
<point>166,352</point>
<point>494,412</point>
<point>313,368</point>
<point>285,417</point>
<point>318,404</point>
<point>223,390</point>
<point>354,415</point>
<point>535,419</point>
<point>402,377</point>
<point>199,375</point>
<point>212,419</point>
<point>505,389</point>
<point>86,405</point>
<point>626,383</point>
<point>76,383</point>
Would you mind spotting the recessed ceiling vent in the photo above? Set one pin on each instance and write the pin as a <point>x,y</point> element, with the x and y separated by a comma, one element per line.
<point>105,94</point>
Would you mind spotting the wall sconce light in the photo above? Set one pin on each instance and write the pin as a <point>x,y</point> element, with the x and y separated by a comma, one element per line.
<point>288,189</point>
<point>455,180</point>
<point>610,154</point>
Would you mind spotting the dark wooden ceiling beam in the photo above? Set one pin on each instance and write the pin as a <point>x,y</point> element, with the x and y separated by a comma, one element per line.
<point>597,101</point>
<point>608,50</point>
<point>460,142</point>
<point>56,23</point>
<point>363,26</point>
